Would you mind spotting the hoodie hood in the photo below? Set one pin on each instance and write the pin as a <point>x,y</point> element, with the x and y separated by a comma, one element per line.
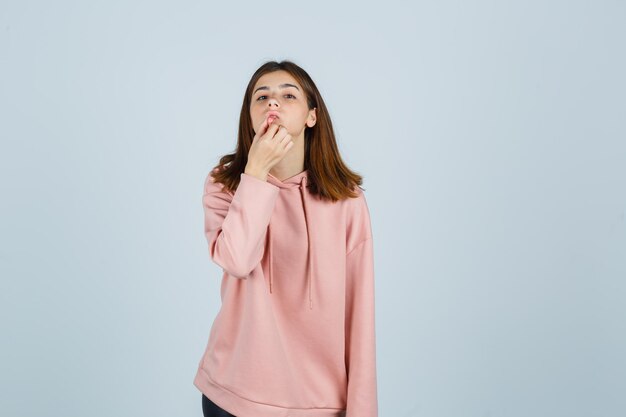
<point>298,181</point>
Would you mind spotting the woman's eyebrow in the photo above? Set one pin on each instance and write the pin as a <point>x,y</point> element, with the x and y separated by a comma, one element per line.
<point>281,86</point>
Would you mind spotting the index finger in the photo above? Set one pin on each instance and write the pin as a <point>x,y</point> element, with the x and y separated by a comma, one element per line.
<point>264,126</point>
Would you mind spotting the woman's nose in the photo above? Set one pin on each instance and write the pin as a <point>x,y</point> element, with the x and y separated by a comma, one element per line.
<point>272,101</point>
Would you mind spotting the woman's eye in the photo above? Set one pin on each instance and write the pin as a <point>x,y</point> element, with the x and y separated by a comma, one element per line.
<point>260,97</point>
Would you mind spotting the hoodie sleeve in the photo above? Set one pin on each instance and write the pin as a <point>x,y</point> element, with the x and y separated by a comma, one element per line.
<point>362,399</point>
<point>235,224</point>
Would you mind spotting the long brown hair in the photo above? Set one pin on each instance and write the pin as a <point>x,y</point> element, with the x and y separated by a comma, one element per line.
<point>328,176</point>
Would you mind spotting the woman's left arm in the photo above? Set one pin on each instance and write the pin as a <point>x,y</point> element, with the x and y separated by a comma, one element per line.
<point>362,399</point>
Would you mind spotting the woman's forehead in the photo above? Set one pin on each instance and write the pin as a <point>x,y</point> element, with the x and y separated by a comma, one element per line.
<point>280,79</point>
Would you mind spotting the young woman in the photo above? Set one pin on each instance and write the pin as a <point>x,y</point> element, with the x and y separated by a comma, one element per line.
<point>289,224</point>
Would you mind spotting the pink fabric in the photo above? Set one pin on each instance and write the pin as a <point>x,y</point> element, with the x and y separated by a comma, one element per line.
<point>295,334</point>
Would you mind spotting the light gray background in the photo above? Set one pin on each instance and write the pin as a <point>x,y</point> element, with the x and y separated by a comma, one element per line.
<point>492,142</point>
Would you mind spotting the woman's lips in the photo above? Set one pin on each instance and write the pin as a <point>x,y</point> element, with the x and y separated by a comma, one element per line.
<point>271,116</point>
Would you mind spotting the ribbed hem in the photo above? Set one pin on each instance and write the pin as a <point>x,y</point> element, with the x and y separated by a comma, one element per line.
<point>242,407</point>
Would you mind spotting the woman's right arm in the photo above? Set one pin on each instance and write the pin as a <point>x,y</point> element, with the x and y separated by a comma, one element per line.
<point>235,225</point>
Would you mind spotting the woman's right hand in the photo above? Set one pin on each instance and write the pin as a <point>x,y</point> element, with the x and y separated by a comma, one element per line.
<point>270,144</point>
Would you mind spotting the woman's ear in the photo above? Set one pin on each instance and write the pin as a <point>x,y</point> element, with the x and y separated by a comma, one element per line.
<point>312,118</point>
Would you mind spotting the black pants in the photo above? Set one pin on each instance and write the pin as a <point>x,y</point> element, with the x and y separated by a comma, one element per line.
<point>210,409</point>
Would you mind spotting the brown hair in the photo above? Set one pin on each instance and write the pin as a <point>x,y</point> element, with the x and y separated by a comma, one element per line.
<point>328,175</point>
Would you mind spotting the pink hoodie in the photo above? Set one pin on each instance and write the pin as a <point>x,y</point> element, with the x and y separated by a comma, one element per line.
<point>295,334</point>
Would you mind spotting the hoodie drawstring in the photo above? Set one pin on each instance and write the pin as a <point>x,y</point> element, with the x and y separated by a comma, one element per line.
<point>270,251</point>
<point>304,194</point>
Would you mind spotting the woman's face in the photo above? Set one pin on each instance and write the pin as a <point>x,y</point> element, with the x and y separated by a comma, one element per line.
<point>278,92</point>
